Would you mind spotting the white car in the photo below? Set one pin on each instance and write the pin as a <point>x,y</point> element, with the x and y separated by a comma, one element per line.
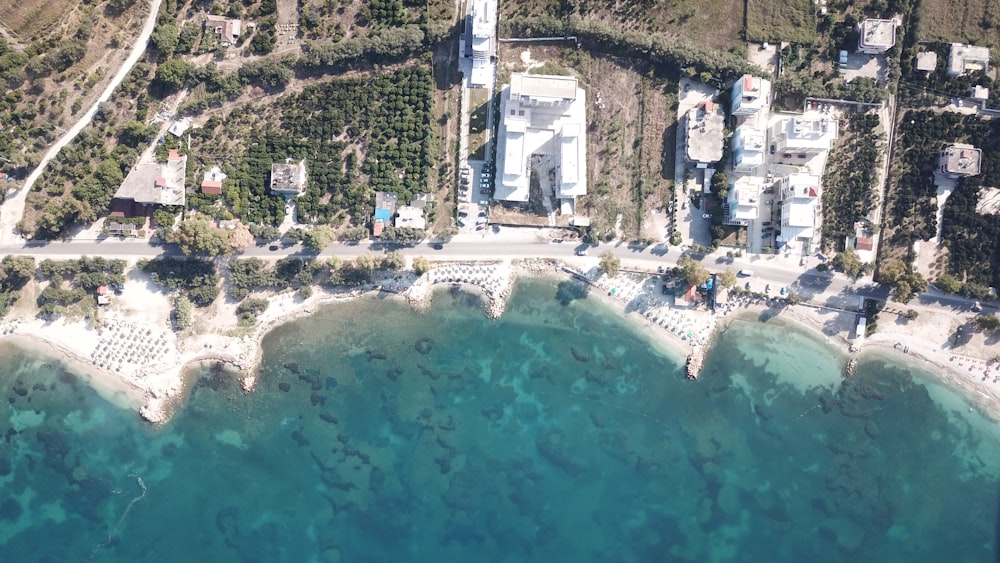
<point>706,216</point>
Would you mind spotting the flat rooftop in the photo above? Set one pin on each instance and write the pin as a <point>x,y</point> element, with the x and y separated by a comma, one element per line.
<point>878,33</point>
<point>543,86</point>
<point>704,140</point>
<point>962,159</point>
<point>967,58</point>
<point>288,178</point>
<point>927,61</point>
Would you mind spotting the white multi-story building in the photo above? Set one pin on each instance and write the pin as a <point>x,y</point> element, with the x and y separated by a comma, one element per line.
<point>748,148</point>
<point>743,200</point>
<point>960,160</point>
<point>806,135</point>
<point>542,116</point>
<point>481,41</point>
<point>750,95</point>
<point>876,36</point>
<point>800,207</point>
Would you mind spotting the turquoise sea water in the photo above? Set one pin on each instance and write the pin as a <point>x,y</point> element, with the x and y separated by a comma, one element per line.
<point>558,433</point>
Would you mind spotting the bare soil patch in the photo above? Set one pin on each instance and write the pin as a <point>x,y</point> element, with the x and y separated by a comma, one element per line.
<point>630,128</point>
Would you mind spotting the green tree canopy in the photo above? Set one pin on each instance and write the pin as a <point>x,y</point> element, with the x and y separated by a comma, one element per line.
<point>948,283</point>
<point>609,264</point>
<point>421,265</point>
<point>988,322</point>
<point>727,279</point>
<point>849,262</point>
<point>692,271</point>
<point>172,73</point>
<point>196,236</point>
<point>318,238</point>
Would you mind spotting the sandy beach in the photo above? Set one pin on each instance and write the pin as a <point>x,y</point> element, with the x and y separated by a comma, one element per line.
<point>136,359</point>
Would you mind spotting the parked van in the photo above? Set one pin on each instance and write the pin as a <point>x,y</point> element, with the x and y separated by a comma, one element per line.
<point>745,273</point>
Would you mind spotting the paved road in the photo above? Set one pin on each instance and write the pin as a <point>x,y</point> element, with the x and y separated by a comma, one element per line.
<point>13,208</point>
<point>818,287</point>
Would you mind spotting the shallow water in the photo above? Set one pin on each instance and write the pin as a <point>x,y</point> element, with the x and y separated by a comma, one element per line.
<point>559,433</point>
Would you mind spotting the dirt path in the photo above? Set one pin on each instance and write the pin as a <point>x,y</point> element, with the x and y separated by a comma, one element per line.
<point>13,208</point>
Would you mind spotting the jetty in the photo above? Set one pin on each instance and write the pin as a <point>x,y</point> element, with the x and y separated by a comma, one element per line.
<point>850,367</point>
<point>695,360</point>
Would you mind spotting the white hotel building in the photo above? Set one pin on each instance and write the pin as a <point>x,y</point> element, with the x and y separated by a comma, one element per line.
<point>542,115</point>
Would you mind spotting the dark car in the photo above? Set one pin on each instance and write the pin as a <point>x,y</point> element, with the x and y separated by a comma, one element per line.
<point>484,191</point>
<point>273,247</point>
<point>437,246</point>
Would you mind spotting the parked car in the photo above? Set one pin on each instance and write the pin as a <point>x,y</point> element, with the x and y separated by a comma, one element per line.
<point>766,223</point>
<point>745,273</point>
<point>582,252</point>
<point>484,191</point>
<point>784,290</point>
<point>480,226</point>
<point>273,247</point>
<point>767,288</point>
<point>706,216</point>
<point>769,202</point>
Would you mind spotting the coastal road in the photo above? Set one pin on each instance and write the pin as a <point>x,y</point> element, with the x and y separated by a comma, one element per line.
<point>13,208</point>
<point>817,287</point>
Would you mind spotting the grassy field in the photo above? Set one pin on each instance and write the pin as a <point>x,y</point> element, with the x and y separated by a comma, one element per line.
<point>788,20</point>
<point>964,21</point>
<point>716,23</point>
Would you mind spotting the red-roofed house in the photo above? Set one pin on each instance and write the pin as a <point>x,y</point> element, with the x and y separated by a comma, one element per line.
<point>212,184</point>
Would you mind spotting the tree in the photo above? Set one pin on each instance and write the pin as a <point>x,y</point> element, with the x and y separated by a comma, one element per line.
<point>891,271</point>
<point>172,73</point>
<point>912,314</point>
<point>691,271</point>
<point>318,238</point>
<point>988,322</point>
<point>165,37</point>
<point>266,232</point>
<point>240,238</point>
<point>793,298</point>
<point>196,236</point>
<point>354,234</point>
<point>394,260</point>
<point>719,185</point>
<point>421,265</point>
<point>849,262</point>
<point>609,264</point>
<point>368,262</point>
<point>727,279</point>
<point>902,292</point>
<point>182,311</point>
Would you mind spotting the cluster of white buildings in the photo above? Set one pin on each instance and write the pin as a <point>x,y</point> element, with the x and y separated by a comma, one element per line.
<point>542,118</point>
<point>791,140</point>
